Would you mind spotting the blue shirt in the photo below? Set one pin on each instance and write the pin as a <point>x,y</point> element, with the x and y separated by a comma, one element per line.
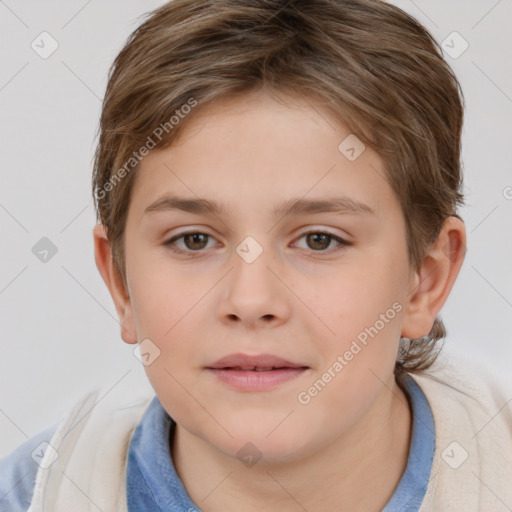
<point>153,484</point>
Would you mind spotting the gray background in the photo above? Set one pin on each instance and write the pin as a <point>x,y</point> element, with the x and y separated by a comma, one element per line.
<point>60,335</point>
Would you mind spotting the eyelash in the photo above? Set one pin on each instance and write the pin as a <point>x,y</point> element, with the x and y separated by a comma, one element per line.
<point>342,243</point>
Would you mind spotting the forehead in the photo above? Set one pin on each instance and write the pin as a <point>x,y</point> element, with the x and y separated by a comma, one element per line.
<point>256,148</point>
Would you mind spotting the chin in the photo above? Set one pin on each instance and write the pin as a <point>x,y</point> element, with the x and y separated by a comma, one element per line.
<point>283,444</point>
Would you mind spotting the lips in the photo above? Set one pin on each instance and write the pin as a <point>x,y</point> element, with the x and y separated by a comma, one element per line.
<point>254,368</point>
<point>255,373</point>
<point>258,363</point>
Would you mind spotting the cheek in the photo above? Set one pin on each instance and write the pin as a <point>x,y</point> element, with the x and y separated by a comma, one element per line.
<point>365,310</point>
<point>161,297</point>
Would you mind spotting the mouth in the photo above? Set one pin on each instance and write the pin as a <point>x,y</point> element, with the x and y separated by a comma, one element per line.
<point>255,373</point>
<point>256,362</point>
<point>256,368</point>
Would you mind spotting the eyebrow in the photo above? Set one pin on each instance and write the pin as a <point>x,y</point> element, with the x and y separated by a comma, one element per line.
<point>294,206</point>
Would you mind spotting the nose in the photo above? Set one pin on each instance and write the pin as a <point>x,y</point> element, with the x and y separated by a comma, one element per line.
<point>254,293</point>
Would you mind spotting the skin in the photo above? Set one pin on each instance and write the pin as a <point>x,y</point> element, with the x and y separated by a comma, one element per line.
<point>301,299</point>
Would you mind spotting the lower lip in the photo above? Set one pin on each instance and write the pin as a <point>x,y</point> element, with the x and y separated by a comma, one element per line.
<point>256,381</point>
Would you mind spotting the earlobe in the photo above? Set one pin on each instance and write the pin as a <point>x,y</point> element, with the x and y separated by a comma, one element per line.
<point>432,283</point>
<point>115,284</point>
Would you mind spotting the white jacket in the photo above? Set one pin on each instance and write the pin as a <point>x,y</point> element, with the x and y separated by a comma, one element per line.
<point>92,443</point>
<point>471,470</point>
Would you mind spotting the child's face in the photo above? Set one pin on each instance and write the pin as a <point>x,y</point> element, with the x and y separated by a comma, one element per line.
<point>304,299</point>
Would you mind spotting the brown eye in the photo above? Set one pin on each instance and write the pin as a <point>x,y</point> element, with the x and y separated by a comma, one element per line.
<point>195,241</point>
<point>320,241</point>
<point>192,242</point>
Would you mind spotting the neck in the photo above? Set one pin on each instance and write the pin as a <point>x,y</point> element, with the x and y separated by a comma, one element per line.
<point>358,471</point>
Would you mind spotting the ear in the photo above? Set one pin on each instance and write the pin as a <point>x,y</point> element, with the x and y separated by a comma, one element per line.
<point>115,284</point>
<point>432,283</point>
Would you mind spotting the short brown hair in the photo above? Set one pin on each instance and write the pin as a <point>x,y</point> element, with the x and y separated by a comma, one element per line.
<point>370,63</point>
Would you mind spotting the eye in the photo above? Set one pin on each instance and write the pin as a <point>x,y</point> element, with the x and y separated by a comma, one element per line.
<point>318,241</point>
<point>194,241</point>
